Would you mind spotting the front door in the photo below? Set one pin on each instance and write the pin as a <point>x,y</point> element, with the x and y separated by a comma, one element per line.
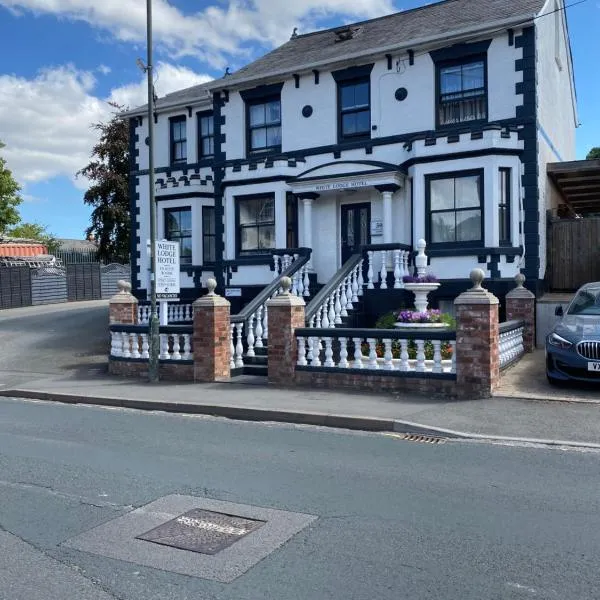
<point>356,228</point>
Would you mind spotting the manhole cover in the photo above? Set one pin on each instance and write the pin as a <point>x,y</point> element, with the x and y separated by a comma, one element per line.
<point>202,531</point>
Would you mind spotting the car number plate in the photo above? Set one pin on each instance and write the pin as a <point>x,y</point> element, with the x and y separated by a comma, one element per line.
<point>594,366</point>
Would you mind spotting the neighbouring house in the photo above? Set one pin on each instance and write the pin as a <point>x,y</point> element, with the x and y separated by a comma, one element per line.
<point>11,247</point>
<point>435,123</point>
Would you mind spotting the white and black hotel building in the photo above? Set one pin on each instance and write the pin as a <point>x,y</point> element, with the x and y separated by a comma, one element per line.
<point>433,123</point>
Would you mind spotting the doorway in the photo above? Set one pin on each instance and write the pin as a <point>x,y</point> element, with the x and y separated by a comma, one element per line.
<point>356,228</point>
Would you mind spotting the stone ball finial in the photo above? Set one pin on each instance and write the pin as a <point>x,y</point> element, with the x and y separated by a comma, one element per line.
<point>421,244</point>
<point>211,284</point>
<point>286,285</point>
<point>477,276</point>
<point>124,286</point>
<point>520,279</point>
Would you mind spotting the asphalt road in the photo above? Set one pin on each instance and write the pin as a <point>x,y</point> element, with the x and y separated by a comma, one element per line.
<point>396,519</point>
<point>60,338</point>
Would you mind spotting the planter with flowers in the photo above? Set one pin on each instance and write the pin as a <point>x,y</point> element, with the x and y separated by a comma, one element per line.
<point>427,319</point>
<point>421,286</point>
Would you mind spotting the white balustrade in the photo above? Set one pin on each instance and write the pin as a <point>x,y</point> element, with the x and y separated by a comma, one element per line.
<point>176,313</point>
<point>135,345</point>
<point>376,353</point>
<point>511,345</point>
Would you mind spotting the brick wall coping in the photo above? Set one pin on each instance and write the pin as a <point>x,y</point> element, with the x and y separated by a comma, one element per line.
<point>510,325</point>
<point>388,334</point>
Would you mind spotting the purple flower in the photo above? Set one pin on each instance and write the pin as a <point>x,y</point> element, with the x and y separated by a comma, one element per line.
<point>413,316</point>
<point>416,279</point>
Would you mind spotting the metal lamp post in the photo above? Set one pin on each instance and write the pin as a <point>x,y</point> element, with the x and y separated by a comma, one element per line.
<point>154,323</point>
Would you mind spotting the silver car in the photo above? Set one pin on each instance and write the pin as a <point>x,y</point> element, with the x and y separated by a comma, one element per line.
<point>573,346</point>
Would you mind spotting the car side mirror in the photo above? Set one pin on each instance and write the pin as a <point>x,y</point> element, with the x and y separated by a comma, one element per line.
<point>559,312</point>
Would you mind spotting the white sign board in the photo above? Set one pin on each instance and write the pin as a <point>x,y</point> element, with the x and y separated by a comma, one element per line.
<point>350,184</point>
<point>376,227</point>
<point>233,292</point>
<point>167,270</point>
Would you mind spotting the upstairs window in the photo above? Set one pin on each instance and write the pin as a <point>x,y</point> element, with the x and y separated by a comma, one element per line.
<point>206,135</point>
<point>208,235</point>
<point>178,127</point>
<point>264,125</point>
<point>462,92</point>
<point>504,206</point>
<point>355,108</point>
<point>178,228</point>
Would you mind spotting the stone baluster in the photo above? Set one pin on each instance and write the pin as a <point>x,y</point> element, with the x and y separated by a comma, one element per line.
<point>265,324</point>
<point>421,259</point>
<point>250,336</point>
<point>337,307</point>
<point>301,362</point>
<point>239,346</point>
<point>343,364</point>
<point>125,345</point>
<point>145,346</point>
<point>187,346</point>
<point>383,272</point>
<point>397,270</point>
<point>372,353</point>
<point>420,355</point>
<point>388,357</point>
<point>331,315</point>
<point>309,354</point>
<point>325,315</point>
<point>343,299</point>
<point>406,263</point>
<point>135,345</point>
<point>232,346</point>
<point>355,283</point>
<point>404,364</point>
<point>116,346</point>
<point>349,293</point>
<point>318,322</point>
<point>370,284</point>
<point>453,349</point>
<point>176,354</point>
<point>259,328</point>
<point>357,363</point>
<point>437,356</point>
<point>361,281</point>
<point>294,290</point>
<point>306,281</point>
<point>276,262</point>
<point>329,352</point>
<point>164,346</point>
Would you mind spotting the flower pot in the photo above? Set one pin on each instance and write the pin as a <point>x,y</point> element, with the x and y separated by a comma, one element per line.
<point>421,292</point>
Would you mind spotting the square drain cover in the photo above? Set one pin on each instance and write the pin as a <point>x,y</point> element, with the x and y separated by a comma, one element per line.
<point>202,531</point>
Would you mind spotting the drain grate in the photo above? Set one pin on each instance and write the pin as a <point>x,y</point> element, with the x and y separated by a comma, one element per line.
<point>202,531</point>
<point>423,439</point>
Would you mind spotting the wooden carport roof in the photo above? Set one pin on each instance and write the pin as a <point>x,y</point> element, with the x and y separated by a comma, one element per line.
<point>579,184</point>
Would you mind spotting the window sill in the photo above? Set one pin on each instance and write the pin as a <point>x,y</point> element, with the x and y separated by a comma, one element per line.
<point>464,126</point>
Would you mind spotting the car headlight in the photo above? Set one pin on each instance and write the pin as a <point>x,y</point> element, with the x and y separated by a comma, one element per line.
<point>555,340</point>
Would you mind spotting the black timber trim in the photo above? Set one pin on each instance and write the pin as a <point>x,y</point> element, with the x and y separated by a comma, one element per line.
<point>369,163</point>
<point>474,251</point>
<point>262,91</point>
<point>218,175</point>
<point>134,197</point>
<point>528,114</point>
<point>184,195</point>
<point>250,181</point>
<point>353,72</point>
<point>460,155</point>
<point>460,51</point>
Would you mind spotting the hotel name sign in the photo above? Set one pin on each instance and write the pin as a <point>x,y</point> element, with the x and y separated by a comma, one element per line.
<point>343,185</point>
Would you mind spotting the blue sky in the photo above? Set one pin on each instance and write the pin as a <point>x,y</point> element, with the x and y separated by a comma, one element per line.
<point>62,60</point>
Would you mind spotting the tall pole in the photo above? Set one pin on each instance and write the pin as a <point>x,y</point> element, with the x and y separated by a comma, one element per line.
<point>154,325</point>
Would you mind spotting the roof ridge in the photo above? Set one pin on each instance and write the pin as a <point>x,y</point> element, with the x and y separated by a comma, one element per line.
<point>399,12</point>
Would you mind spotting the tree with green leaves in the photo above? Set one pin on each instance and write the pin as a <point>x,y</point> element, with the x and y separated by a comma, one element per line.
<point>35,231</point>
<point>108,173</point>
<point>9,197</point>
<point>593,154</point>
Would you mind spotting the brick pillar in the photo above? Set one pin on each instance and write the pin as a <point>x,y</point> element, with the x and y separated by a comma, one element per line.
<point>123,306</point>
<point>520,306</point>
<point>286,314</point>
<point>477,340</point>
<point>212,346</point>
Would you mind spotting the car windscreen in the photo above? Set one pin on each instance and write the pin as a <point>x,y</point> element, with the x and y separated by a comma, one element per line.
<point>586,302</point>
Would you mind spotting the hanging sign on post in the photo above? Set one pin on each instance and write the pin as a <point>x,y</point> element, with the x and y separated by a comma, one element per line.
<point>167,270</point>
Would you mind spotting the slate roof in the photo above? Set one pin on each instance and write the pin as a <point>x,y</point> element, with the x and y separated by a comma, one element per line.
<point>395,30</point>
<point>398,29</point>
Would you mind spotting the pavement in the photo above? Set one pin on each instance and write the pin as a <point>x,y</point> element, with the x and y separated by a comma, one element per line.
<point>58,353</point>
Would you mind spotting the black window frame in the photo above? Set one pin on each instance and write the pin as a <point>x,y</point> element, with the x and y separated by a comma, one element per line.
<point>172,141</point>
<point>504,207</point>
<point>201,137</point>
<point>170,238</point>
<point>350,137</point>
<point>291,220</point>
<point>267,149</point>
<point>238,227</point>
<point>463,61</point>
<point>455,175</point>
<point>208,236</point>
